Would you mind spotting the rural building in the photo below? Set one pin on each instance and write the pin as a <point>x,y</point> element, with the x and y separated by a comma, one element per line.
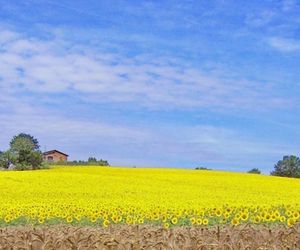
<point>54,156</point>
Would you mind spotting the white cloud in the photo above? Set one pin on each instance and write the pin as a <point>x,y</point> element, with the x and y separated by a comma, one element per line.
<point>56,66</point>
<point>284,44</point>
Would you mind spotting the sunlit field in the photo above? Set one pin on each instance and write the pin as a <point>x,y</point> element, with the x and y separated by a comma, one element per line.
<point>129,196</point>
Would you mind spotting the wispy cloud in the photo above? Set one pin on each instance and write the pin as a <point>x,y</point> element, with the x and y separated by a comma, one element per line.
<point>284,44</point>
<point>259,19</point>
<point>288,5</point>
<point>139,145</point>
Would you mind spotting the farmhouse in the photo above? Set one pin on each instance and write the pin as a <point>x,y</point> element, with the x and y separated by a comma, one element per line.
<point>54,156</point>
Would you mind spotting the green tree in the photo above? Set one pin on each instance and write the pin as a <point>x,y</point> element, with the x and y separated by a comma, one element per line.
<point>24,142</point>
<point>25,149</point>
<point>36,159</point>
<point>254,171</point>
<point>289,166</point>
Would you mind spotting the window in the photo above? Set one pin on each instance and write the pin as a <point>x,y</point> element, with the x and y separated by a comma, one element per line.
<point>50,158</point>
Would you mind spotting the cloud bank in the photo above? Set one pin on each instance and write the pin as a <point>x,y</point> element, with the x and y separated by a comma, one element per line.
<point>33,65</point>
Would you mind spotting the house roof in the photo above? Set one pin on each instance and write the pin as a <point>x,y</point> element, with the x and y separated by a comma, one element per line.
<point>54,151</point>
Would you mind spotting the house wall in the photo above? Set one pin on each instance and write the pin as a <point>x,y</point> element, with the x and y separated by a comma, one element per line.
<point>56,157</point>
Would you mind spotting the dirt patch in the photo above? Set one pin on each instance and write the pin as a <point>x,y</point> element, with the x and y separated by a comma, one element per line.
<point>148,237</point>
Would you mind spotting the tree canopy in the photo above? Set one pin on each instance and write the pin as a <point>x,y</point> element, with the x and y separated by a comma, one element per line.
<point>24,142</point>
<point>289,166</point>
<point>23,153</point>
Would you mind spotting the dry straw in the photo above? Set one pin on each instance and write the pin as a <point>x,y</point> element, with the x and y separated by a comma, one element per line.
<point>147,237</point>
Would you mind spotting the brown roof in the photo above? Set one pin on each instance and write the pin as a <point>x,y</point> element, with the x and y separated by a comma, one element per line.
<point>54,151</point>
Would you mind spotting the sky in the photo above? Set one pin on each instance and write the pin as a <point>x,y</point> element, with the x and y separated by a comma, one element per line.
<point>153,83</point>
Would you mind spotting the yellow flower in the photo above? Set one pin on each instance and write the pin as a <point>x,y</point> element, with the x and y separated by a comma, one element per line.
<point>267,217</point>
<point>174,220</point>
<point>41,220</point>
<point>288,213</point>
<point>114,218</point>
<point>106,223</point>
<point>291,222</point>
<point>193,220</point>
<point>218,212</point>
<point>93,219</point>
<point>119,218</point>
<point>228,210</point>
<point>129,221</point>
<point>235,222</point>
<point>205,221</point>
<point>277,214</point>
<point>69,219</point>
<point>227,215</point>
<point>141,195</point>
<point>166,225</point>
<point>199,221</point>
<point>164,218</point>
<point>7,219</point>
<point>244,216</point>
<point>257,219</point>
<point>282,219</point>
<point>296,215</point>
<point>273,217</point>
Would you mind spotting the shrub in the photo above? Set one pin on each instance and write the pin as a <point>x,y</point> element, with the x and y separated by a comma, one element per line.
<point>202,168</point>
<point>7,158</point>
<point>254,171</point>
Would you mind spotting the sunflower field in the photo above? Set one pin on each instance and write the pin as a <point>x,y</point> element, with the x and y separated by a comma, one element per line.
<point>146,196</point>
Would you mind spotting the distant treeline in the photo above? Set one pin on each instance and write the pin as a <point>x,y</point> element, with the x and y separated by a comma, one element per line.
<point>92,161</point>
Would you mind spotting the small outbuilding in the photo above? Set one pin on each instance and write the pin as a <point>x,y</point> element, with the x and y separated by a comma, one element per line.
<point>54,156</point>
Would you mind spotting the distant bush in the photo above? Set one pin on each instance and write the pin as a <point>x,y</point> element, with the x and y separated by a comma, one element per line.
<point>202,168</point>
<point>254,171</point>
<point>289,166</point>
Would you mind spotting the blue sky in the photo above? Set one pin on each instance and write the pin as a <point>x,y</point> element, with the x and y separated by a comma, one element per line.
<point>153,83</point>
